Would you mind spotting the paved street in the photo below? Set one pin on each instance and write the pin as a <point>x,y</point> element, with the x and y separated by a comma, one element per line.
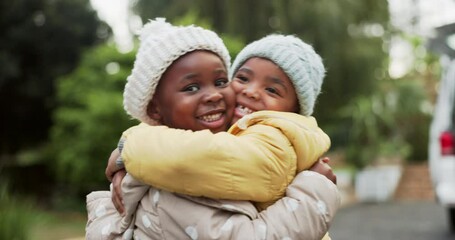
<point>412,220</point>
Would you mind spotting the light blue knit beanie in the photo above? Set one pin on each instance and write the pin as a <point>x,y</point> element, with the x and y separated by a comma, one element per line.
<point>296,58</point>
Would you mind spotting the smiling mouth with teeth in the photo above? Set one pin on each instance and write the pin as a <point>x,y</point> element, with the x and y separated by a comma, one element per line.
<point>211,117</point>
<point>244,110</point>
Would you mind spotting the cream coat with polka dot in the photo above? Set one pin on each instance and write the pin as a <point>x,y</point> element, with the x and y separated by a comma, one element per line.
<point>256,160</point>
<point>304,213</point>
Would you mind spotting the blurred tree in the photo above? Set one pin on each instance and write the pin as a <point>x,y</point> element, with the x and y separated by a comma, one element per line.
<point>390,124</point>
<point>90,118</point>
<point>40,40</point>
<point>349,35</point>
<point>394,121</point>
<point>170,9</point>
<point>421,85</point>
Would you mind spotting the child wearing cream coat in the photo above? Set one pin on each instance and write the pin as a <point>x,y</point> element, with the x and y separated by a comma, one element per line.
<point>291,142</point>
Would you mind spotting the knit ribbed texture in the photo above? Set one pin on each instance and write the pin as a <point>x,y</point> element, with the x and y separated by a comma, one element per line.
<point>161,44</point>
<point>297,59</point>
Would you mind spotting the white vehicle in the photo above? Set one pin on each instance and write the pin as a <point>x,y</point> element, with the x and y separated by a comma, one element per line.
<point>442,143</point>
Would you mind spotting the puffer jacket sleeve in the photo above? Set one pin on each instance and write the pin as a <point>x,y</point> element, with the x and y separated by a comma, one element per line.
<point>307,210</point>
<point>305,213</point>
<point>104,221</point>
<point>255,165</point>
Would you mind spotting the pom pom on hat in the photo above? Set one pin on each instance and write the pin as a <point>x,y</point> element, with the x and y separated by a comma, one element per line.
<point>159,25</point>
<point>162,44</point>
<point>297,59</point>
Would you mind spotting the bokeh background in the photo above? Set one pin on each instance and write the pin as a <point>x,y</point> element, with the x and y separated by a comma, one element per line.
<point>64,63</point>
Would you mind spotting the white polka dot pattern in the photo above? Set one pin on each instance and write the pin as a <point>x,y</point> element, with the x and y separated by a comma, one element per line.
<point>128,234</point>
<point>262,231</point>
<point>291,204</point>
<point>322,207</point>
<point>192,232</point>
<point>227,226</point>
<point>146,221</point>
<point>106,229</point>
<point>100,211</point>
<point>156,198</point>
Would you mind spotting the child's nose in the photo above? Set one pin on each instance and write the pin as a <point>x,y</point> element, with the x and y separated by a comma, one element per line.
<point>251,92</point>
<point>213,96</point>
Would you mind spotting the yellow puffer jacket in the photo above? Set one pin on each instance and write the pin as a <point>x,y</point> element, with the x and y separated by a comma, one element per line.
<point>255,160</point>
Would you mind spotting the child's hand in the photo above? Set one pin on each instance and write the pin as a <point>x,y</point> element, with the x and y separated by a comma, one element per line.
<point>117,198</point>
<point>112,167</point>
<point>322,167</point>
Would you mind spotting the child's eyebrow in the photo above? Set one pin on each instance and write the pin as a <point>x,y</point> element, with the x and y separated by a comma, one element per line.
<point>278,81</point>
<point>189,76</point>
<point>219,71</point>
<point>245,69</point>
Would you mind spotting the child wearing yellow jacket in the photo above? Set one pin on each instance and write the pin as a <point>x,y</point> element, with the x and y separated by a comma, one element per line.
<point>306,211</point>
<point>261,153</point>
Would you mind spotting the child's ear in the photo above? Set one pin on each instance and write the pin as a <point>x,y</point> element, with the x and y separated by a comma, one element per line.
<point>297,107</point>
<point>153,111</point>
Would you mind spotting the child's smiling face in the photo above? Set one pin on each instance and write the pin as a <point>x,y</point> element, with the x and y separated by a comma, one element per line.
<point>259,84</point>
<point>194,94</point>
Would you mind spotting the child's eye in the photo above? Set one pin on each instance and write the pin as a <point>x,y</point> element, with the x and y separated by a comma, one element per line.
<point>241,78</point>
<point>222,82</point>
<point>272,90</point>
<point>190,88</point>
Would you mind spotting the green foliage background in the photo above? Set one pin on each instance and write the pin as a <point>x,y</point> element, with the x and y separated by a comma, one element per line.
<point>90,117</point>
<point>62,79</point>
<point>40,40</point>
<point>16,215</point>
<point>65,79</point>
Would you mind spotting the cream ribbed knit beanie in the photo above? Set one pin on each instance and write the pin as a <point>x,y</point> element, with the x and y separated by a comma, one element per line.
<point>161,44</point>
<point>297,59</point>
